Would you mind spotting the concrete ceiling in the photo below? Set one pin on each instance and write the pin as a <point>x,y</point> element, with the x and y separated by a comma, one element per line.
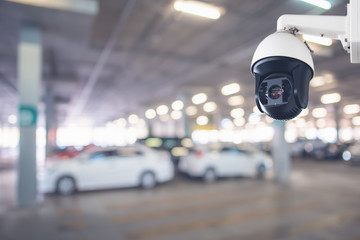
<point>159,55</point>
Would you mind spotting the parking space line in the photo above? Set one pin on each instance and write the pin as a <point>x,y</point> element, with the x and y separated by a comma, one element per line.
<point>176,199</point>
<point>320,223</point>
<point>195,208</point>
<point>69,212</point>
<point>74,225</point>
<point>172,229</point>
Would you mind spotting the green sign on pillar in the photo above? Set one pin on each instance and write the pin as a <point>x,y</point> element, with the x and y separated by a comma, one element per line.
<point>28,116</point>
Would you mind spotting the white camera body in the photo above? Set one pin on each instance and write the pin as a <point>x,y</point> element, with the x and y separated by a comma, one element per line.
<point>282,64</point>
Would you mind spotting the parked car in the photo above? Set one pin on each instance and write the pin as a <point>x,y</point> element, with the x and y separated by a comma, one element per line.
<point>352,154</point>
<point>111,167</point>
<point>226,161</point>
<point>331,151</point>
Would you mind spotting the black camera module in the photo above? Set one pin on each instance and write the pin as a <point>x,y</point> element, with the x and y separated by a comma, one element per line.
<point>282,86</point>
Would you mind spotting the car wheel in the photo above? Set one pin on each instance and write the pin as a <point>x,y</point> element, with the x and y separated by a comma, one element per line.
<point>66,186</point>
<point>209,176</point>
<point>148,180</point>
<point>261,171</point>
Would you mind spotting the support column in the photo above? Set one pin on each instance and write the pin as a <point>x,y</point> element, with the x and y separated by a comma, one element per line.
<point>50,120</point>
<point>29,76</point>
<point>280,152</point>
<point>337,121</point>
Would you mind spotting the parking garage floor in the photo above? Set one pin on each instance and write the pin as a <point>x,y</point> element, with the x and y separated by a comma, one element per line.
<point>321,201</point>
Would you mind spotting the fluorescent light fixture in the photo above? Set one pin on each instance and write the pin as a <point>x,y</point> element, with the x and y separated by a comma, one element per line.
<point>230,89</point>
<point>199,8</point>
<point>162,110</point>
<point>202,120</point>
<point>177,105</point>
<point>330,98</point>
<point>318,40</point>
<point>141,123</point>
<point>150,113</point>
<point>81,6</point>
<point>319,3</point>
<point>133,119</point>
<point>236,100</point>
<point>176,114</point>
<point>12,119</point>
<point>356,121</point>
<point>237,113</point>
<point>199,98</point>
<point>352,109</point>
<point>210,107</point>
<point>191,110</point>
<point>319,112</point>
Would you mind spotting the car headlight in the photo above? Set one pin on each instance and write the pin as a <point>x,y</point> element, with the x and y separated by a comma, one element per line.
<point>346,155</point>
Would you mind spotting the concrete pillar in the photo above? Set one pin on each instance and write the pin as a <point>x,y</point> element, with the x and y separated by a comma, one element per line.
<point>29,76</point>
<point>50,120</point>
<point>337,120</point>
<point>280,152</point>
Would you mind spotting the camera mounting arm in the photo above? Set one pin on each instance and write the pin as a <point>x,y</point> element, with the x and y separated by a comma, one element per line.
<point>343,28</point>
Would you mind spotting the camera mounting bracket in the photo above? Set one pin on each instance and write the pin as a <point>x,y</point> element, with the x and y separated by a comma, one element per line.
<point>343,28</point>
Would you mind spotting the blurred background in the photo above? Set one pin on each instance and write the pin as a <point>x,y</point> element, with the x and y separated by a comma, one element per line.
<point>137,120</point>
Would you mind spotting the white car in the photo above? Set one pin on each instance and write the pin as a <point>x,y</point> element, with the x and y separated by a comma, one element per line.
<point>212,163</point>
<point>111,167</point>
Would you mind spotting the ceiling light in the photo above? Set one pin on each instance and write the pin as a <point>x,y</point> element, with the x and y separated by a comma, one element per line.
<point>12,119</point>
<point>202,120</point>
<point>330,98</point>
<point>321,123</point>
<point>319,3</point>
<point>133,119</point>
<point>237,113</point>
<point>150,113</point>
<point>164,118</point>
<point>199,8</point>
<point>239,122</point>
<point>356,121</point>
<point>352,109</point>
<point>210,107</point>
<point>236,100</point>
<point>230,89</point>
<point>227,123</point>
<point>191,110</point>
<point>199,98</point>
<point>318,40</point>
<point>176,115</point>
<point>121,122</point>
<point>141,123</point>
<point>304,112</point>
<point>319,112</point>
<point>256,110</point>
<point>254,118</point>
<point>162,110</point>
<point>322,80</point>
<point>177,105</point>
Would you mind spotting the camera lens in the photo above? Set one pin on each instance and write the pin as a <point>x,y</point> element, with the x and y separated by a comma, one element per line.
<point>275,92</point>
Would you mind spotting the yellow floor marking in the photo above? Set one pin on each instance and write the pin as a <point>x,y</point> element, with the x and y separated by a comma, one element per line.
<point>196,208</point>
<point>171,229</point>
<point>75,225</point>
<point>69,212</point>
<point>176,199</point>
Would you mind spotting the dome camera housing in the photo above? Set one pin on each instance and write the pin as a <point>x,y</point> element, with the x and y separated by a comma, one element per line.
<point>283,67</point>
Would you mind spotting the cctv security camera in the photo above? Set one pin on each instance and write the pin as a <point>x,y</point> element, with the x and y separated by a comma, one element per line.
<point>282,64</point>
<point>283,67</point>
